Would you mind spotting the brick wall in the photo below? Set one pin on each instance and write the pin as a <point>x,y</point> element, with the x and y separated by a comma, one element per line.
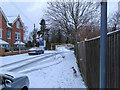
<point>9,40</point>
<point>13,31</point>
<point>3,53</point>
<point>0,20</point>
<point>3,26</point>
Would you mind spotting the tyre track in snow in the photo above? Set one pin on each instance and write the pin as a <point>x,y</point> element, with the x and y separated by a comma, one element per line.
<point>53,71</point>
<point>29,64</point>
<point>36,69</point>
<point>23,60</point>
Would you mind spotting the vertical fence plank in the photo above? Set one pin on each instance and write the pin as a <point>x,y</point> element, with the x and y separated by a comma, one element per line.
<point>112,61</point>
<point>87,64</point>
<point>115,60</point>
<point>119,57</point>
<point>109,62</point>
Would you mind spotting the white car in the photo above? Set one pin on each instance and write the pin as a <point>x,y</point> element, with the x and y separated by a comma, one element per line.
<point>36,51</point>
<point>13,81</point>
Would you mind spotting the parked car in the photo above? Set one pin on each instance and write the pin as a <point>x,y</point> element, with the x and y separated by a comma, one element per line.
<point>71,48</point>
<point>10,81</point>
<point>36,51</point>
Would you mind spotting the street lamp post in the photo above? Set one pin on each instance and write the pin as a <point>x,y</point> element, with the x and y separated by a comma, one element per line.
<point>20,38</point>
<point>103,46</point>
<point>19,41</point>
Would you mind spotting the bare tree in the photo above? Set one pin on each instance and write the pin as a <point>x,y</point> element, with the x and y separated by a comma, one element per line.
<point>33,36</point>
<point>57,36</point>
<point>115,21</point>
<point>30,38</point>
<point>72,16</point>
<point>25,33</point>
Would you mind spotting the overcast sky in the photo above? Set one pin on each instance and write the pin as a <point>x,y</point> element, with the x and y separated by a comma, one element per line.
<point>32,12</point>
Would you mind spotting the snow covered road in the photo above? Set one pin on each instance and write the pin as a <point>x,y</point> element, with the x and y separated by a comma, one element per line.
<point>50,70</point>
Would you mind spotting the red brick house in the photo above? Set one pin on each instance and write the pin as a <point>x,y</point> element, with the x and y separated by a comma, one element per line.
<point>11,30</point>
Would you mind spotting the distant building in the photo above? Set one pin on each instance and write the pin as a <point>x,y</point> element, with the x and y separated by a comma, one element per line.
<point>11,30</point>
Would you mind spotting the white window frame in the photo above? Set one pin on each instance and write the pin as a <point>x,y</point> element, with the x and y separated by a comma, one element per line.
<point>1,33</point>
<point>17,36</point>
<point>7,35</point>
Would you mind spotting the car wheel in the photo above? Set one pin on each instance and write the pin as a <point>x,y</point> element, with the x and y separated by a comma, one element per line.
<point>24,88</point>
<point>30,54</point>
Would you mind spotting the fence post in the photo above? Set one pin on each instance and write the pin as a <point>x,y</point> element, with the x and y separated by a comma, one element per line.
<point>103,45</point>
<point>76,51</point>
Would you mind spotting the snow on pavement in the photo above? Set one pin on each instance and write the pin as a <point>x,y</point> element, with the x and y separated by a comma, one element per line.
<point>62,76</point>
<point>53,72</point>
<point>59,75</point>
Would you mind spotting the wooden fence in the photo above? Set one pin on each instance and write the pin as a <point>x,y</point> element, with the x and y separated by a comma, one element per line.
<point>88,55</point>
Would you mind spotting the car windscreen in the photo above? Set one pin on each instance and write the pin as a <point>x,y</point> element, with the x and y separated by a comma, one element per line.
<point>40,48</point>
<point>32,49</point>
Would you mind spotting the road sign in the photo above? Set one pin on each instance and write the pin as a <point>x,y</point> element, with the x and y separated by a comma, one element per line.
<point>41,42</point>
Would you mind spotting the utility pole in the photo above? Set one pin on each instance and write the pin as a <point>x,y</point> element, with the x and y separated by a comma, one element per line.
<point>20,38</point>
<point>19,41</point>
<point>34,34</point>
<point>103,46</point>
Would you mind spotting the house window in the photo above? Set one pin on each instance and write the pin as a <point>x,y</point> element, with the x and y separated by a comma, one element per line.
<point>18,24</point>
<point>0,33</point>
<point>17,36</point>
<point>8,35</point>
